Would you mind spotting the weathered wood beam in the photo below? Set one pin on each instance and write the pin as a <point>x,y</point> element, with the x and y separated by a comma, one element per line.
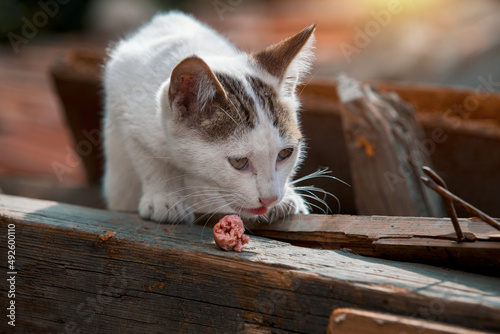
<point>413,239</point>
<point>385,144</point>
<point>164,278</point>
<point>350,321</point>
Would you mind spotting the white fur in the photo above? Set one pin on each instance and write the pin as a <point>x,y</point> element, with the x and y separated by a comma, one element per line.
<point>165,172</point>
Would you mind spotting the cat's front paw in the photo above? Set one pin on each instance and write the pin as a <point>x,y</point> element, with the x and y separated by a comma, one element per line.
<point>164,208</point>
<point>292,204</point>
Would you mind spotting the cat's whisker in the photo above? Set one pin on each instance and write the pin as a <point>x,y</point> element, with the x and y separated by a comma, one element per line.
<point>184,198</point>
<point>310,205</point>
<point>229,204</point>
<point>326,193</point>
<point>319,173</point>
<point>283,212</point>
<point>322,201</point>
<point>200,190</point>
<point>175,178</point>
<point>209,203</point>
<point>236,109</point>
<point>150,156</point>
<point>212,193</point>
<point>264,218</point>
<point>257,219</point>
<point>308,81</point>
<point>225,112</point>
<point>312,189</point>
<point>213,212</point>
<point>313,196</point>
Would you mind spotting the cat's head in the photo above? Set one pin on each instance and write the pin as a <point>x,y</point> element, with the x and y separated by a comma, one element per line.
<point>235,125</point>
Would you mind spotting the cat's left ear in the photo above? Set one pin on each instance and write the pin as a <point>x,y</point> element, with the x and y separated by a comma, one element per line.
<point>193,86</point>
<point>289,59</point>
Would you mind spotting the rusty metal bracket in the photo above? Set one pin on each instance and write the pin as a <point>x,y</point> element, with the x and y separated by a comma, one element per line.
<point>437,184</point>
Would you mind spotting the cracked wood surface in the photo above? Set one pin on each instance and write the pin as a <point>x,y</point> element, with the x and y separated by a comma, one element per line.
<point>152,278</point>
<point>413,239</point>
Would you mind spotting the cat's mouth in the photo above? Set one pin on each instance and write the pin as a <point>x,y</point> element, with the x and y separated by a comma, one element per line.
<point>257,211</point>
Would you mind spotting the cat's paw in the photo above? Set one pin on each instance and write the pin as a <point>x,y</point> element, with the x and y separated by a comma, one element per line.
<point>163,208</point>
<point>292,204</point>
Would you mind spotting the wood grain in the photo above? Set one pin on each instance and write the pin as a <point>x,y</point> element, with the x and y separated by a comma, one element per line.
<point>349,321</point>
<point>386,150</point>
<point>153,278</point>
<point>412,239</point>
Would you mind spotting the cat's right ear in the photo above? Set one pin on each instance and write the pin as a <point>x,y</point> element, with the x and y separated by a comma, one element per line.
<point>290,59</point>
<point>193,86</point>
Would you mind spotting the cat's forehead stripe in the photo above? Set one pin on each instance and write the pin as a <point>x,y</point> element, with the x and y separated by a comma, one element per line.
<point>238,114</point>
<point>241,101</point>
<point>281,117</point>
<point>230,116</point>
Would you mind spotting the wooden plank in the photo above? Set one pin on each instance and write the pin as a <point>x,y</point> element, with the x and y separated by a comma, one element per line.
<point>423,240</point>
<point>350,321</point>
<point>164,278</point>
<point>383,139</point>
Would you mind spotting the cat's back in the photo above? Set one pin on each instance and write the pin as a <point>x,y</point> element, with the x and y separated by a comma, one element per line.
<point>167,39</point>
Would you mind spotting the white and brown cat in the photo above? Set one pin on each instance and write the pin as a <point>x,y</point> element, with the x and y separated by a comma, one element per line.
<point>194,125</point>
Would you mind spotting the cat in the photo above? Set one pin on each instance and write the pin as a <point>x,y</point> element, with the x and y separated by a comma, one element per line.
<point>193,125</point>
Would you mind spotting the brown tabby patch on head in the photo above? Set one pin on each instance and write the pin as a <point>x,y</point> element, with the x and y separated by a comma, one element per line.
<point>281,116</point>
<point>234,113</point>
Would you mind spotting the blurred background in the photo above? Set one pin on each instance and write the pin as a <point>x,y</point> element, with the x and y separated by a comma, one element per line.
<point>448,42</point>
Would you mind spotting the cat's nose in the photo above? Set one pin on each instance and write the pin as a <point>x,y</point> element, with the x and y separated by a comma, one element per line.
<point>268,201</point>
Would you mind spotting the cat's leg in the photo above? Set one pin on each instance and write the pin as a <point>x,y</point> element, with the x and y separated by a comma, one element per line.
<point>163,198</point>
<point>292,204</point>
<point>163,189</point>
<point>122,186</point>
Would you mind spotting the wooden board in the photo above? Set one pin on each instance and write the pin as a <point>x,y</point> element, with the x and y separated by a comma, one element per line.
<point>383,137</point>
<point>349,321</point>
<point>423,240</point>
<point>164,278</point>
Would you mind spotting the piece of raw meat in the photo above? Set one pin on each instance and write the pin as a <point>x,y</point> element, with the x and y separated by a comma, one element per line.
<point>229,233</point>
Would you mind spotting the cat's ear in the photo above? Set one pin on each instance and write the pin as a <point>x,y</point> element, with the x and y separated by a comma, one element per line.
<point>289,59</point>
<point>193,85</point>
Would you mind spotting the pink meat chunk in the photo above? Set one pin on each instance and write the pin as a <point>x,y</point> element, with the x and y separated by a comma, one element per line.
<point>229,233</point>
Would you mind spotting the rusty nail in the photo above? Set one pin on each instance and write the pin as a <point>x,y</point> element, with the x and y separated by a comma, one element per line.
<point>448,196</point>
<point>450,208</point>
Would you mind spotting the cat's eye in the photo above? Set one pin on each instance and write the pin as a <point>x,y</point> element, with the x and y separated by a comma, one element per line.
<point>285,153</point>
<point>238,163</point>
